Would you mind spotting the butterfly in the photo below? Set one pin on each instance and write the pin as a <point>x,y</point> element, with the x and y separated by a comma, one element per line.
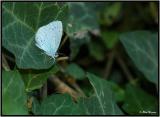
<point>48,38</point>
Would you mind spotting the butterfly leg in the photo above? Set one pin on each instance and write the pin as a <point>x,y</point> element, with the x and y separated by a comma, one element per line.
<point>42,53</point>
<point>56,55</point>
<point>50,60</point>
<point>44,59</point>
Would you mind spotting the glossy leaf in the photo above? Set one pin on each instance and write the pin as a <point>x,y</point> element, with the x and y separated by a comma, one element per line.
<point>75,71</point>
<point>103,99</point>
<point>20,22</point>
<point>142,47</point>
<point>81,18</point>
<point>118,92</point>
<point>112,13</point>
<point>35,79</point>
<point>13,94</point>
<point>138,102</point>
<point>59,104</point>
<point>110,39</point>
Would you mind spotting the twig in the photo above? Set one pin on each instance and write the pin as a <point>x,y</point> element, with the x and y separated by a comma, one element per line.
<point>73,83</point>
<point>43,91</point>
<point>5,63</point>
<point>109,64</point>
<point>9,58</point>
<point>64,40</point>
<point>124,68</point>
<point>62,87</point>
<point>29,103</point>
<point>76,86</point>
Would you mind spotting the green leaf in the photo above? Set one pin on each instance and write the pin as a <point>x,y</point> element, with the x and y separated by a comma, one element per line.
<point>35,79</point>
<point>81,18</point>
<point>19,25</point>
<point>96,50</point>
<point>36,107</point>
<point>103,100</point>
<point>110,39</point>
<point>63,104</point>
<point>59,104</point>
<point>112,12</point>
<point>119,93</point>
<point>136,101</point>
<point>142,47</point>
<point>13,94</point>
<point>75,71</point>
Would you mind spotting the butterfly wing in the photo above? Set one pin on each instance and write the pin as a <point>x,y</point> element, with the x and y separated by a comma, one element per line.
<point>56,26</point>
<point>48,37</point>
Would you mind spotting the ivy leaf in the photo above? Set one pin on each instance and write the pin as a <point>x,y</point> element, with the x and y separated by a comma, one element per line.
<point>81,18</point>
<point>111,13</point>
<point>137,101</point>
<point>59,104</point>
<point>118,92</point>
<point>35,79</point>
<point>13,94</point>
<point>63,104</point>
<point>103,98</point>
<point>75,71</point>
<point>142,47</point>
<point>19,25</point>
<point>110,39</point>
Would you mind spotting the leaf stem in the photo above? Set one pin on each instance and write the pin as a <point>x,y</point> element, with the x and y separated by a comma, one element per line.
<point>73,83</point>
<point>76,86</point>
<point>64,40</point>
<point>43,91</point>
<point>63,87</point>
<point>109,64</point>
<point>124,68</point>
<point>5,64</point>
<point>9,58</point>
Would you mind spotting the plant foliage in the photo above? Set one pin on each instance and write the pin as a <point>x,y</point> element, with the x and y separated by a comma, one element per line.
<point>107,63</point>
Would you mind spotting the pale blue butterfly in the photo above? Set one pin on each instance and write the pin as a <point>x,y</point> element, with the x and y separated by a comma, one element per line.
<point>48,38</point>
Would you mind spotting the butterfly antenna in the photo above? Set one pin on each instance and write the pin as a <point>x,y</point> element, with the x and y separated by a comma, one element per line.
<point>63,58</point>
<point>61,54</point>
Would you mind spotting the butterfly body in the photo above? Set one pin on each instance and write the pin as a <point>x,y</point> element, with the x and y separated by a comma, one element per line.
<point>48,38</point>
